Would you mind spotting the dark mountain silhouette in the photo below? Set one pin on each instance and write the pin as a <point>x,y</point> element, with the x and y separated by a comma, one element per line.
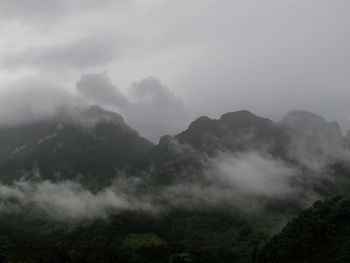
<point>235,131</point>
<point>89,141</point>
<point>92,146</point>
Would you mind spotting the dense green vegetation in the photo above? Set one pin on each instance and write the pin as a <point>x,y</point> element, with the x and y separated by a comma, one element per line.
<point>319,234</point>
<point>132,237</point>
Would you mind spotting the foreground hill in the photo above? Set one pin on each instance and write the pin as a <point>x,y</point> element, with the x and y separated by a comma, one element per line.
<point>179,236</point>
<point>319,234</point>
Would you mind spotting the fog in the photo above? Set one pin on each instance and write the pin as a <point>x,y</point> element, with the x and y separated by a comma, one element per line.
<point>244,182</point>
<point>28,100</point>
<point>69,200</point>
<point>149,106</point>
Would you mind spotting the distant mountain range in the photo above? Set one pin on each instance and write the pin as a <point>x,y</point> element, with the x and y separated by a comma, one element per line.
<point>94,143</point>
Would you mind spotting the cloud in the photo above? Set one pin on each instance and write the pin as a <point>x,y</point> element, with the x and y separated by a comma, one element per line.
<point>67,200</point>
<point>246,181</point>
<point>155,110</point>
<point>255,174</point>
<point>31,99</point>
<point>80,54</point>
<point>33,10</point>
<point>151,109</point>
<point>45,13</point>
<point>98,87</point>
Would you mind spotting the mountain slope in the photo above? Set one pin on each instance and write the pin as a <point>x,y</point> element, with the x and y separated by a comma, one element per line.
<point>89,141</point>
<point>234,131</point>
<point>186,198</point>
<point>319,234</point>
<point>315,142</point>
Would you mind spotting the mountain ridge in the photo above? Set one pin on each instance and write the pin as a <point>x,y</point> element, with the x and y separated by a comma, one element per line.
<point>76,141</point>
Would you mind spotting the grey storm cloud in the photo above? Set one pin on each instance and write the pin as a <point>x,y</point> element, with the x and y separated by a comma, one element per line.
<point>81,54</point>
<point>157,110</point>
<point>43,13</point>
<point>99,88</point>
<point>32,99</point>
<point>152,108</point>
<point>32,9</point>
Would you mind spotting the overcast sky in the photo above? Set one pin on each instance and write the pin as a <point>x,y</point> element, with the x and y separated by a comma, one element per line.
<point>161,63</point>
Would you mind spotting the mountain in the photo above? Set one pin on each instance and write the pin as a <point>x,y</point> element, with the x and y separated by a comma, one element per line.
<point>319,234</point>
<point>312,146</point>
<point>91,142</point>
<point>235,131</point>
<point>314,142</point>
<point>347,140</point>
<point>186,199</point>
<point>311,124</point>
<point>184,157</point>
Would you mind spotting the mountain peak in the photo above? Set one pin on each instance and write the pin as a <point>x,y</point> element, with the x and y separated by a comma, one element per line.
<point>75,140</point>
<point>238,114</point>
<point>302,115</point>
<point>88,116</point>
<point>244,119</point>
<point>311,122</point>
<point>234,131</point>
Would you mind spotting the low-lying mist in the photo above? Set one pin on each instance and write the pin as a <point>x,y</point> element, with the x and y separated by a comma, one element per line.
<point>68,199</point>
<point>244,182</point>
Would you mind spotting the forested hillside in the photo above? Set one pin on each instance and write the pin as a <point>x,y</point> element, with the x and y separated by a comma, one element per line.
<point>319,234</point>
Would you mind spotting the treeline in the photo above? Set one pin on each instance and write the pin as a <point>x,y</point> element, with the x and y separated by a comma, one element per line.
<point>179,236</point>
<point>319,234</point>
